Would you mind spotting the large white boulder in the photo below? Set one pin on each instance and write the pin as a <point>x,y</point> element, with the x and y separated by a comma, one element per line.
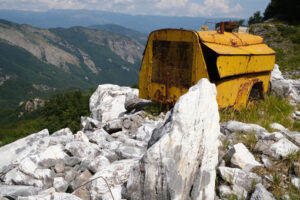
<point>243,159</point>
<point>108,101</point>
<point>180,163</point>
<point>14,152</point>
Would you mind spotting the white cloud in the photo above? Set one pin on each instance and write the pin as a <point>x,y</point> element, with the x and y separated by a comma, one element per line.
<point>210,8</point>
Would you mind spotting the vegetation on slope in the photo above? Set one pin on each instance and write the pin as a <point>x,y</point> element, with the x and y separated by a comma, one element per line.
<point>60,111</point>
<point>264,112</point>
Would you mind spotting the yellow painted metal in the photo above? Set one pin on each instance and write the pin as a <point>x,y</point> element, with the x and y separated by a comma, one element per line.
<point>235,91</point>
<point>230,39</point>
<point>236,65</point>
<point>255,49</point>
<point>242,60</point>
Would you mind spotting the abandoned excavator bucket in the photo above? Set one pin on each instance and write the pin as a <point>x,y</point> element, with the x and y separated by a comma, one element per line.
<point>239,64</point>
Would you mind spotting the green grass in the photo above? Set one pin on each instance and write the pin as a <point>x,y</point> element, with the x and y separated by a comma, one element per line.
<point>264,112</point>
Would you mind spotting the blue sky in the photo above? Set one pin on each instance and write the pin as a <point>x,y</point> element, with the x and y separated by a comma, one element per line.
<point>194,8</point>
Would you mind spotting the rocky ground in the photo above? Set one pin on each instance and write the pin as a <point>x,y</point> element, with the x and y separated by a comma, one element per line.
<point>124,152</point>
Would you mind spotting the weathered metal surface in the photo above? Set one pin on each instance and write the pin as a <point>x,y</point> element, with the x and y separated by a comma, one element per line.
<point>230,39</point>
<point>255,49</point>
<point>175,59</point>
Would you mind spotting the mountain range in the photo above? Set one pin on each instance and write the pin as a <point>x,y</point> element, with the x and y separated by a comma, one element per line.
<point>38,62</point>
<point>69,18</point>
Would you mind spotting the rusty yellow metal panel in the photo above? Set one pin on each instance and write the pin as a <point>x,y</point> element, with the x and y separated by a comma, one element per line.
<point>230,39</point>
<point>236,65</point>
<point>174,52</point>
<point>235,91</point>
<point>257,49</point>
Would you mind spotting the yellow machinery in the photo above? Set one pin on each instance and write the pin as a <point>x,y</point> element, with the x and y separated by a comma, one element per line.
<point>175,59</point>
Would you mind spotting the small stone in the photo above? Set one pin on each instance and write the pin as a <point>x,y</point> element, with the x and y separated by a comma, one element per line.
<point>278,127</point>
<point>82,193</point>
<point>60,184</point>
<point>99,163</point>
<point>260,193</point>
<point>59,166</point>
<point>296,182</point>
<point>239,177</point>
<point>243,159</point>
<point>113,126</point>
<point>82,149</point>
<point>72,161</point>
<point>80,136</point>
<point>79,180</point>
<point>266,161</point>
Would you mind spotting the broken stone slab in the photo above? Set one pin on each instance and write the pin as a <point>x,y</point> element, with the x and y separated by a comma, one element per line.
<point>226,192</point>
<point>47,191</point>
<point>14,152</point>
<point>56,195</point>
<point>80,179</point>
<point>60,184</point>
<point>235,176</point>
<point>82,149</point>
<point>51,156</point>
<point>14,191</point>
<point>99,137</point>
<point>17,177</point>
<point>108,101</point>
<point>97,164</point>
<point>133,103</point>
<point>113,126</point>
<point>115,174</point>
<point>260,193</point>
<point>90,124</point>
<point>144,132</point>
<point>278,127</point>
<point>81,137</point>
<point>184,154</point>
<point>62,137</point>
<point>82,193</point>
<point>110,155</point>
<point>125,139</point>
<point>116,193</point>
<point>134,121</point>
<point>243,159</point>
<point>266,161</point>
<point>235,126</point>
<point>128,152</point>
<point>277,150</point>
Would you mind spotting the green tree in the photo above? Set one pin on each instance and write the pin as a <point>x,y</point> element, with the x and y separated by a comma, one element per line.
<point>287,10</point>
<point>256,18</point>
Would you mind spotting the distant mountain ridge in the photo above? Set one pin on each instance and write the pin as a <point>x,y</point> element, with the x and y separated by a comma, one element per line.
<point>36,62</point>
<point>69,18</point>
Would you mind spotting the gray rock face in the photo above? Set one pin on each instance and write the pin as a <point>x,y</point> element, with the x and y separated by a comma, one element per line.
<point>89,124</point>
<point>14,191</point>
<point>241,178</point>
<point>133,103</point>
<point>14,152</point>
<point>235,126</point>
<point>82,149</point>
<point>276,149</point>
<point>107,102</point>
<point>260,193</point>
<point>282,87</point>
<point>181,164</point>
